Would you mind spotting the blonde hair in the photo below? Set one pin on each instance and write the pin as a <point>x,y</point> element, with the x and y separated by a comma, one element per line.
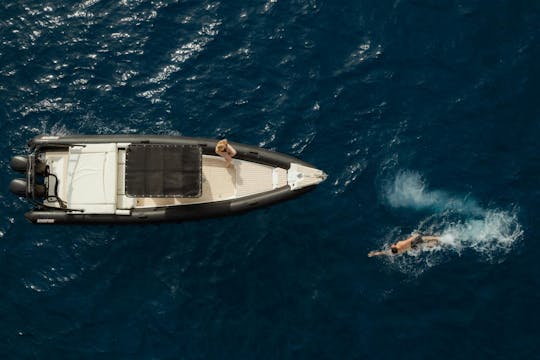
<point>222,145</point>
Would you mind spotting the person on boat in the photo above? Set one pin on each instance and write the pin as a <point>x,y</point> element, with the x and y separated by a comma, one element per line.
<point>413,242</point>
<point>225,150</point>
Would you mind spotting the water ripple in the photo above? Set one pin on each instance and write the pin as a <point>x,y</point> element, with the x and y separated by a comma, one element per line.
<point>182,54</point>
<point>359,89</point>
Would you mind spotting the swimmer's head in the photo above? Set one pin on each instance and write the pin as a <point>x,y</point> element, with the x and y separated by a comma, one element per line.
<point>394,249</point>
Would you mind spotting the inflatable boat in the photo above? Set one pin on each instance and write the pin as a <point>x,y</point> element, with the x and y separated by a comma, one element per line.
<point>142,179</point>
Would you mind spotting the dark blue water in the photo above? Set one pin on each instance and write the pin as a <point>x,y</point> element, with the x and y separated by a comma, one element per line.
<point>425,115</point>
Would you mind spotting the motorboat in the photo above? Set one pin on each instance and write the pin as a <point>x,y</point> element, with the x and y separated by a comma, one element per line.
<point>151,178</point>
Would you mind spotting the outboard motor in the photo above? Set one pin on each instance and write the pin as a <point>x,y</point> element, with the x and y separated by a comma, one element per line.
<point>19,163</point>
<point>18,187</point>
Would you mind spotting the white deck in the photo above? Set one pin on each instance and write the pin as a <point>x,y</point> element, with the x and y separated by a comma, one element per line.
<point>92,178</point>
<point>87,177</point>
<point>241,179</point>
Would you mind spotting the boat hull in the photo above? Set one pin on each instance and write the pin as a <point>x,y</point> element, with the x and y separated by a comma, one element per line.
<point>176,213</point>
<point>170,213</point>
<point>244,152</point>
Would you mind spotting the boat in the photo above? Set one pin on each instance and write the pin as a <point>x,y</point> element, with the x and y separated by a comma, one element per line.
<point>151,178</point>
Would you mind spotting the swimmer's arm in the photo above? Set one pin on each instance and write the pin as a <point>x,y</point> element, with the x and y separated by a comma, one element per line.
<point>378,253</point>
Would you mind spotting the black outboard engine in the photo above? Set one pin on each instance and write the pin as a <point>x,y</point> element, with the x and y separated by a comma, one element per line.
<point>18,187</point>
<point>19,163</point>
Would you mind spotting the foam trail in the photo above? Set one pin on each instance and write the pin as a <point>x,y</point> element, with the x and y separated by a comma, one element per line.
<point>462,223</point>
<point>409,190</point>
<point>494,233</point>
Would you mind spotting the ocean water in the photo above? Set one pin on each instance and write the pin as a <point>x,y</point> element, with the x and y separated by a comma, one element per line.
<point>425,115</point>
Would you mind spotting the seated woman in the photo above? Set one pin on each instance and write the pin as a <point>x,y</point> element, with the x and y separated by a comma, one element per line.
<point>225,150</point>
<point>412,242</point>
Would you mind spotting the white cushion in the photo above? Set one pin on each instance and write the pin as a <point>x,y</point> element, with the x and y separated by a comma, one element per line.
<point>91,178</point>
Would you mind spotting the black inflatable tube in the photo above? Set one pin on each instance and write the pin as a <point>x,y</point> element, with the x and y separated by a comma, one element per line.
<point>244,152</point>
<point>176,213</point>
<point>169,213</point>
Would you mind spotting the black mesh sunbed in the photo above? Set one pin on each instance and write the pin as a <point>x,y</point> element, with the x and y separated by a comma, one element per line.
<point>155,170</point>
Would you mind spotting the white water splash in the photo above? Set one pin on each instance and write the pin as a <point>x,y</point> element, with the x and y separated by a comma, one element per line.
<point>461,222</point>
<point>494,233</point>
<point>409,190</point>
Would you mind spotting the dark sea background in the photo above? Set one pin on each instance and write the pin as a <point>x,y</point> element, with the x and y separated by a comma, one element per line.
<point>425,115</point>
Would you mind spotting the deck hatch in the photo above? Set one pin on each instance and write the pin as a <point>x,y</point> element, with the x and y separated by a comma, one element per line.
<point>159,170</point>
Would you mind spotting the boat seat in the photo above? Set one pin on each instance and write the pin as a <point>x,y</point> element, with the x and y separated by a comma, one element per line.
<point>92,172</point>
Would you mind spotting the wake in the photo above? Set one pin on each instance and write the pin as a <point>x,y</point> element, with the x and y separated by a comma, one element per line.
<point>409,190</point>
<point>460,221</point>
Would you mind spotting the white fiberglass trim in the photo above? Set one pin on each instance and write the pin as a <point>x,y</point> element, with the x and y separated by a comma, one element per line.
<point>300,176</point>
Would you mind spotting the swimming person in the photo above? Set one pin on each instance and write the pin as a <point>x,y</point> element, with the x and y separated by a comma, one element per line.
<point>412,242</point>
<point>225,150</point>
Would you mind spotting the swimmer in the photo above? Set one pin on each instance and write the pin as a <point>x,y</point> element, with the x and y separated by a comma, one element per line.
<point>412,242</point>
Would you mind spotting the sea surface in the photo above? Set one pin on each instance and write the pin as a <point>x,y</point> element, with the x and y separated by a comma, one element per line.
<point>425,115</point>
